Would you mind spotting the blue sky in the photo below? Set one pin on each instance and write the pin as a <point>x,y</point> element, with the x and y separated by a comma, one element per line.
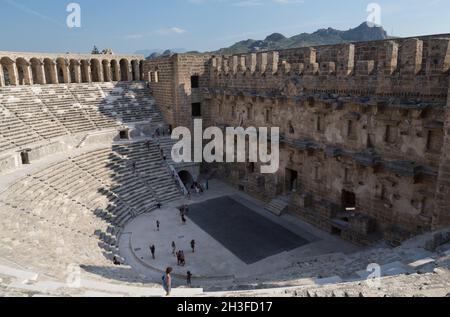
<point>127,26</point>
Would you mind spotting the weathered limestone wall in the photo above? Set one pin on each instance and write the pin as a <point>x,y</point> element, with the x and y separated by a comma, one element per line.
<point>442,212</point>
<point>172,88</point>
<point>362,125</point>
<point>160,76</point>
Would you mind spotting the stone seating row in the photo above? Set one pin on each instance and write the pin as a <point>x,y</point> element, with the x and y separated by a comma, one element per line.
<point>30,114</point>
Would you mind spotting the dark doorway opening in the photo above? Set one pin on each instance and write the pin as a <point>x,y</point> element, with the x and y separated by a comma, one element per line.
<point>25,158</point>
<point>348,201</point>
<point>195,81</point>
<point>124,135</point>
<point>196,109</point>
<point>186,178</point>
<point>291,180</point>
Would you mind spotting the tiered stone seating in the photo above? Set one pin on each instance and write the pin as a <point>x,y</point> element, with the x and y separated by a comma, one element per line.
<point>5,144</point>
<point>152,170</point>
<point>29,114</point>
<point>93,98</point>
<point>45,241</point>
<point>66,108</point>
<point>129,103</point>
<point>14,131</point>
<point>118,175</point>
<point>30,110</point>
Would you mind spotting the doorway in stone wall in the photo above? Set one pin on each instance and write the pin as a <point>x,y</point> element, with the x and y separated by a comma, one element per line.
<point>25,158</point>
<point>291,180</point>
<point>348,201</point>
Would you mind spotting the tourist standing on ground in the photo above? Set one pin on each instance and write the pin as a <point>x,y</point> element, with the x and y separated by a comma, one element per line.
<point>167,281</point>
<point>189,278</point>
<point>174,247</point>
<point>157,225</point>
<point>152,251</point>
<point>193,246</point>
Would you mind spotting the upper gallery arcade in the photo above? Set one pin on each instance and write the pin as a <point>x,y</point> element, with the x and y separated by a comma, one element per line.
<point>40,69</point>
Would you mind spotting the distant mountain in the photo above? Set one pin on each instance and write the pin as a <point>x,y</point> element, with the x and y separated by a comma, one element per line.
<point>277,41</point>
<point>159,52</point>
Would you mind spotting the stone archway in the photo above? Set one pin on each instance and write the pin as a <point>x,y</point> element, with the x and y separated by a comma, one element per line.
<point>96,71</point>
<point>23,71</point>
<point>9,71</point>
<point>50,71</point>
<point>186,178</point>
<point>124,70</point>
<point>37,71</point>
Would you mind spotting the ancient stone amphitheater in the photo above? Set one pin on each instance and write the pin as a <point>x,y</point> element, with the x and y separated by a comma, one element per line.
<point>82,138</point>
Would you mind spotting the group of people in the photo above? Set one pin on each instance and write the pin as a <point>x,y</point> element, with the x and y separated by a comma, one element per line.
<point>198,188</point>
<point>180,255</point>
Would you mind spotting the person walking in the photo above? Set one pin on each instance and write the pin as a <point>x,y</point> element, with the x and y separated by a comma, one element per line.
<point>174,247</point>
<point>157,225</point>
<point>167,281</point>
<point>152,251</point>
<point>189,278</point>
<point>193,246</point>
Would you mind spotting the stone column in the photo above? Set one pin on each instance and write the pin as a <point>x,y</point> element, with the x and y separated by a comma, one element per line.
<point>100,73</point>
<point>77,71</point>
<point>2,79</point>
<point>27,74</point>
<point>52,72</point>
<point>14,74</point>
<point>66,74</point>
<point>41,73</point>
<point>137,73</point>
<point>86,71</point>
<point>106,72</point>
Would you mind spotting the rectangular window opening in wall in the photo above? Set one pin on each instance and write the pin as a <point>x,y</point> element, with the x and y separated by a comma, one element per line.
<point>195,81</point>
<point>25,157</point>
<point>196,109</point>
<point>268,115</point>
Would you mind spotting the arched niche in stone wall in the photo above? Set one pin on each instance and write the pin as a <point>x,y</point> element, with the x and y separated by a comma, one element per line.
<point>124,69</point>
<point>62,70</point>
<point>96,70</point>
<point>9,71</point>
<point>37,71</point>
<point>50,71</point>
<point>23,72</point>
